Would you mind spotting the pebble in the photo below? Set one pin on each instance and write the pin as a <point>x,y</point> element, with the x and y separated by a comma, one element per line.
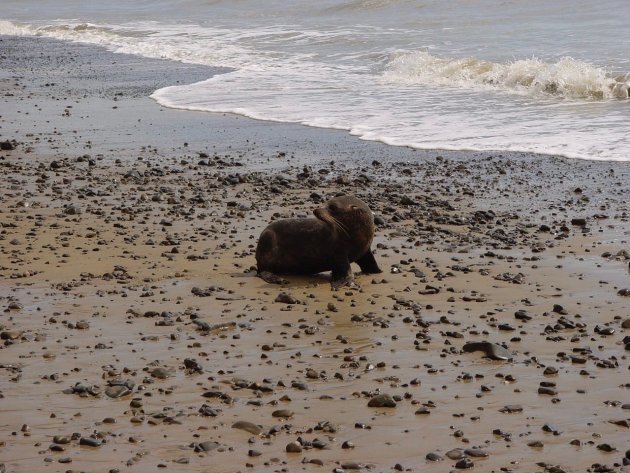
<point>382,400</point>
<point>117,391</point>
<point>90,442</point>
<point>285,298</point>
<point>492,350</point>
<point>547,390</point>
<point>550,428</point>
<point>207,446</point>
<point>511,408</point>
<point>248,427</point>
<point>161,373</point>
<point>282,413</point>
<point>476,453</point>
<point>464,464</point>
<point>294,447</point>
<point>456,454</point>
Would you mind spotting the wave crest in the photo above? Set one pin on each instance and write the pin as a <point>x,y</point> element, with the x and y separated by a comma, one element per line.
<point>567,78</point>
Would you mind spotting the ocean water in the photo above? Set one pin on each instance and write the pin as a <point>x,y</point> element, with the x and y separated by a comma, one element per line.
<point>543,76</point>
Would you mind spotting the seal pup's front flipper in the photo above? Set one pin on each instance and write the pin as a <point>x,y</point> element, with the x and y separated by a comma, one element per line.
<point>368,264</point>
<point>342,276</point>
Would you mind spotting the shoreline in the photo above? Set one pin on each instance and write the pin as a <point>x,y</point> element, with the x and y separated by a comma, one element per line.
<point>123,228</point>
<point>139,86</point>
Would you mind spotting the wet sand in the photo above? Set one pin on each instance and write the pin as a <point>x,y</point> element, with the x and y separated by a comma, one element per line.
<point>136,337</point>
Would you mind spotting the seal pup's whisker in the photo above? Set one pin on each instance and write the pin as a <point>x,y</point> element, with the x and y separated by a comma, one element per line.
<point>342,226</point>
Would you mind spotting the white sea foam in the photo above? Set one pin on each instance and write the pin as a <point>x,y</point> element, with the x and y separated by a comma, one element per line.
<point>566,77</point>
<point>186,43</point>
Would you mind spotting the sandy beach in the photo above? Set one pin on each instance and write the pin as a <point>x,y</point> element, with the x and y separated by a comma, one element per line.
<point>136,336</point>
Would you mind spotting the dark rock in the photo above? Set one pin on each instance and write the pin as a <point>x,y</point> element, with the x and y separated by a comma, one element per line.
<point>511,409</point>
<point>248,427</point>
<point>492,350</point>
<point>434,457</point>
<point>382,400</point>
<point>8,145</point>
<point>90,442</point>
<point>464,464</point>
<point>117,391</point>
<point>285,298</point>
<point>293,447</point>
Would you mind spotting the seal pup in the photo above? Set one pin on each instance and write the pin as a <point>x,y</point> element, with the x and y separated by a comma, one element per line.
<point>341,233</point>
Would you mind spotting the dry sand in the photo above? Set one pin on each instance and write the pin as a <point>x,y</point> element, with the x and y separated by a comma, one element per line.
<point>135,335</point>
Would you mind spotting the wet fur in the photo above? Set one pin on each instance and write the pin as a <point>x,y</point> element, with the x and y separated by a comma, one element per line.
<point>341,233</point>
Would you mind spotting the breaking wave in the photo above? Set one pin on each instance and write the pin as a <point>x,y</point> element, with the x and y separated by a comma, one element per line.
<point>143,39</point>
<point>566,78</point>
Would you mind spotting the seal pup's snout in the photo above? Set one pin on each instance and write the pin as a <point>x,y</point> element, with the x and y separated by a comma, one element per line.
<point>321,213</point>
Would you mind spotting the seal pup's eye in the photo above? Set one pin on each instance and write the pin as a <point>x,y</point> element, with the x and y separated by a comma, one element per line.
<point>332,207</point>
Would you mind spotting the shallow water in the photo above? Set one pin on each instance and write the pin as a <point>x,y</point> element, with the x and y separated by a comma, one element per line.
<point>538,76</point>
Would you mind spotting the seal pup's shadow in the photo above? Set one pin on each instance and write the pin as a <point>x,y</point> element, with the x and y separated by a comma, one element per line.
<point>302,280</point>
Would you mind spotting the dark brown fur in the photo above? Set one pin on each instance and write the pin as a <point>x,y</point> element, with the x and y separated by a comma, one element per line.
<point>341,233</point>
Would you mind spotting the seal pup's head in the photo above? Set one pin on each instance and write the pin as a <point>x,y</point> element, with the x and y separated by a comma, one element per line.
<point>349,215</point>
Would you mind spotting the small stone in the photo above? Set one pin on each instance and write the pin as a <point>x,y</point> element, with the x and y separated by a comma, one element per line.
<point>455,454</point>
<point>283,413</point>
<point>382,400</point>
<point>294,447</point>
<point>117,391</point>
<point>161,373</point>
<point>512,408</point>
<point>547,427</point>
<point>492,350</point>
<point>248,427</point>
<point>90,442</point>
<point>207,446</point>
<point>476,453</point>
<point>285,298</point>
<point>464,464</point>
<point>209,411</point>
<point>351,466</point>
<point>606,447</point>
